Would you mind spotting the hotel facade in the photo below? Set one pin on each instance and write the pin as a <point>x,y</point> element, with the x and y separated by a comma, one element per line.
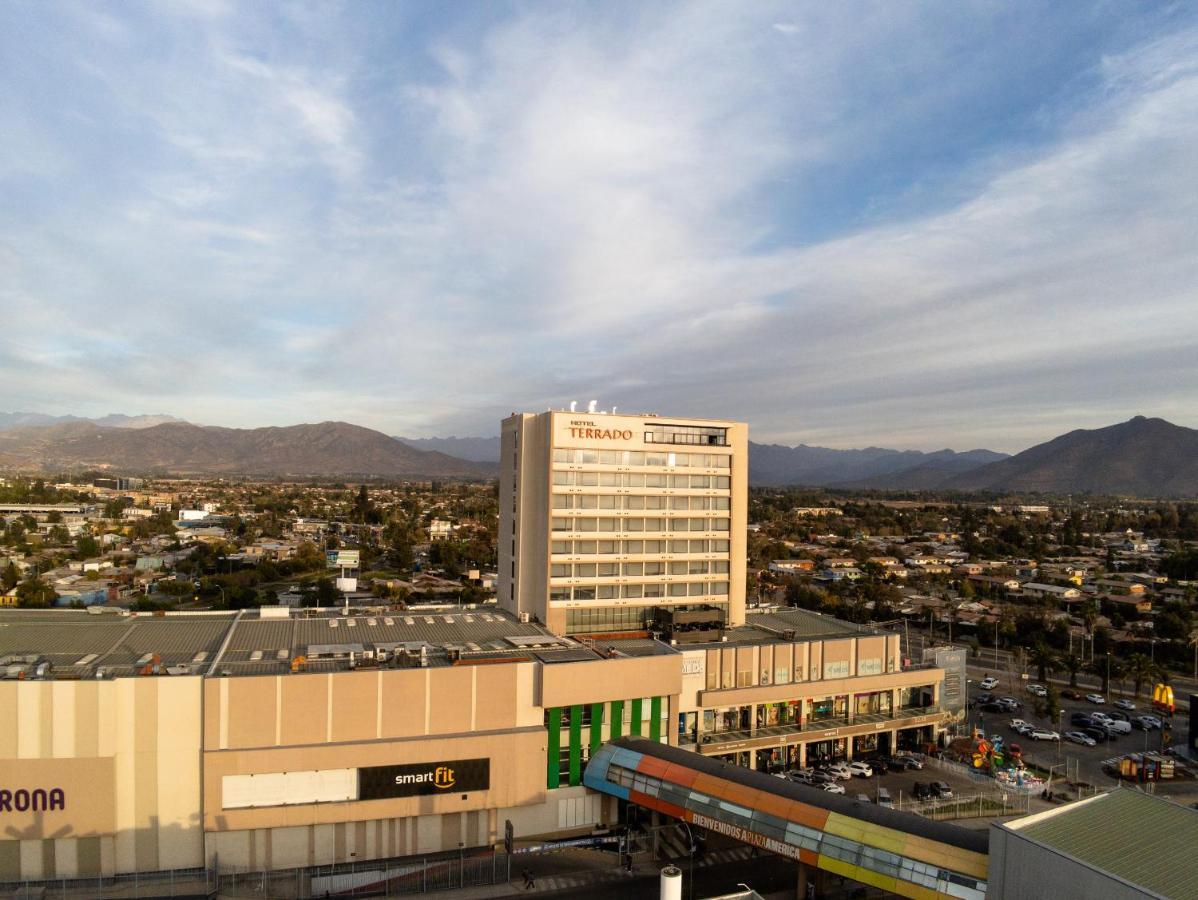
<point>607,519</point>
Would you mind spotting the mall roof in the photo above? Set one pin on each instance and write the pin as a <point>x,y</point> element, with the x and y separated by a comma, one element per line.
<point>776,625</point>
<point>1145,840</point>
<point>78,644</point>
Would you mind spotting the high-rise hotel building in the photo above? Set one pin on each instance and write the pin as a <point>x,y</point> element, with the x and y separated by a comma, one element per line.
<point>606,519</point>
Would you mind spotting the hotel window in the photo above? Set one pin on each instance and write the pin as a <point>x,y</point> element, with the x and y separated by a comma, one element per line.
<point>677,590</point>
<point>722,482</point>
<point>634,591</point>
<point>561,456</point>
<point>587,479</point>
<point>608,570</point>
<point>563,478</point>
<point>559,594</point>
<point>634,524</point>
<point>720,567</point>
<point>607,525</point>
<point>634,480</point>
<point>584,570</point>
<point>634,546</point>
<point>609,501</point>
<point>584,593</point>
<point>655,590</point>
<point>719,524</point>
<point>654,524</point>
<point>680,502</point>
<point>718,502</point>
<point>696,567</point>
<point>561,524</point>
<point>610,457</point>
<point>635,502</point>
<point>608,547</point>
<point>655,568</point>
<point>699,481</point>
<point>655,481</point>
<point>586,501</point>
<point>561,501</point>
<point>586,457</point>
<point>561,547</point>
<point>559,570</point>
<point>609,479</point>
<point>655,546</point>
<point>634,457</point>
<point>655,502</point>
<point>677,568</point>
<point>681,481</point>
<point>655,459</point>
<point>607,592</point>
<point>686,434</point>
<point>634,569</point>
<point>697,589</point>
<point>586,524</point>
<point>719,587</point>
<point>719,546</point>
<point>584,548</point>
<point>679,546</point>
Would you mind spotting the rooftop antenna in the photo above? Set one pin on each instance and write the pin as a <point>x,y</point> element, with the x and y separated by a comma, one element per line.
<point>573,405</point>
<point>613,410</point>
<point>591,406</point>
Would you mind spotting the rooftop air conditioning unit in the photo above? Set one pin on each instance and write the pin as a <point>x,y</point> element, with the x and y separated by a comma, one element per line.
<point>525,618</point>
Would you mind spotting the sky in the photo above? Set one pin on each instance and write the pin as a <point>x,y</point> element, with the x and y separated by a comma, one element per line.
<point>892,224</point>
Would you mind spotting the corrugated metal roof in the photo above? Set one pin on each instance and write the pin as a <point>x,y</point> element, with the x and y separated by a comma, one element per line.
<point>1148,841</point>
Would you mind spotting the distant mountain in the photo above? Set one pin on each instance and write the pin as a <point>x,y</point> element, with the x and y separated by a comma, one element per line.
<point>774,464</point>
<point>477,449</point>
<point>1141,457</point>
<point>112,420</point>
<point>325,449</point>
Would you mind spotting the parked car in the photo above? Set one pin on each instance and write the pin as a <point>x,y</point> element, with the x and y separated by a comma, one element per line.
<point>995,707</point>
<point>833,788</point>
<point>861,769</point>
<point>1147,723</point>
<point>985,697</point>
<point>1071,694</point>
<point>840,771</point>
<point>1079,737</point>
<point>800,776</point>
<point>1100,717</point>
<point>1118,726</point>
<point>1096,698</point>
<point>819,779</point>
<point>881,764</point>
<point>863,798</point>
<point>941,789</point>
<point>1097,732</point>
<point>884,798</point>
<point>1043,734</point>
<point>1125,704</point>
<point>1082,719</point>
<point>908,762</point>
<point>1010,703</point>
<point>989,683</point>
<point>922,790</point>
<point>1037,690</point>
<point>1021,726</point>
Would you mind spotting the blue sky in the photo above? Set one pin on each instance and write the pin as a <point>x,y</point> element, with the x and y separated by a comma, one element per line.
<point>898,224</point>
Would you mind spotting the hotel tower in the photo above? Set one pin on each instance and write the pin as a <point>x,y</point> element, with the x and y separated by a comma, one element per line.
<point>609,522</point>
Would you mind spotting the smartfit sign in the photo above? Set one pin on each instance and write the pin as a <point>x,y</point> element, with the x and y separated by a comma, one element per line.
<point>455,776</point>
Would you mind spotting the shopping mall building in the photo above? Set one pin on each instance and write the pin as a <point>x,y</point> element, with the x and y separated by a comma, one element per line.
<point>402,733</point>
<point>270,740</point>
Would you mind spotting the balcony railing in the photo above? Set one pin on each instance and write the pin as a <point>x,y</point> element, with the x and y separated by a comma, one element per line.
<point>714,738</point>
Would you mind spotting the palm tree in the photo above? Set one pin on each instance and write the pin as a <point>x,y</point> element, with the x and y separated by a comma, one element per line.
<point>1044,660</point>
<point>1140,669</point>
<point>1072,664</point>
<point>1099,667</point>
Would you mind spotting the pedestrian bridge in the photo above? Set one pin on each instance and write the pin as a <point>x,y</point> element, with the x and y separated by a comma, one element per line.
<point>896,851</point>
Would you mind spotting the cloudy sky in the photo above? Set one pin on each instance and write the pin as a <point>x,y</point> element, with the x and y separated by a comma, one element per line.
<point>896,224</point>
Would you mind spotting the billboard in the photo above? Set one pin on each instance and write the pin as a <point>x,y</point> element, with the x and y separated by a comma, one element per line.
<point>344,559</point>
<point>455,776</point>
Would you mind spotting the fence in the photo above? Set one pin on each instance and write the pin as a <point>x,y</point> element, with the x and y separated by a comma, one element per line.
<point>182,883</point>
<point>974,805</point>
<point>377,878</point>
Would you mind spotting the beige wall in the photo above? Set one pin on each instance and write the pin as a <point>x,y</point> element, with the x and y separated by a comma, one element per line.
<point>565,684</point>
<point>127,753</point>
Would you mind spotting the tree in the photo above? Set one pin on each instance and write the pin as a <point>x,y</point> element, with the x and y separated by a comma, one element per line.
<point>1072,664</point>
<point>1052,703</point>
<point>33,593</point>
<point>10,576</point>
<point>86,547</point>
<point>1140,669</point>
<point>1044,660</point>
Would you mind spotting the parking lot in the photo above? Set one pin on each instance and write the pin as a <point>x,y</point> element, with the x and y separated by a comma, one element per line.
<point>1081,762</point>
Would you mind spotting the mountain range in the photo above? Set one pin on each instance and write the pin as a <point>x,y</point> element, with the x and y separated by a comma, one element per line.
<point>325,449</point>
<point>1141,457</point>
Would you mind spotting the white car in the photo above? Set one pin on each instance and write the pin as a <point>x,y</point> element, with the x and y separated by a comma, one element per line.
<point>989,683</point>
<point>1100,717</point>
<point>1150,722</point>
<point>1079,738</point>
<point>861,769</point>
<point>1037,690</point>
<point>833,788</point>
<point>1020,726</point>
<point>1125,704</point>
<point>840,771</point>
<point>1042,734</point>
<point>1096,698</point>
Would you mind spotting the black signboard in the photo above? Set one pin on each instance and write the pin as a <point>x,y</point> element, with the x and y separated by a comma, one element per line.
<point>455,776</point>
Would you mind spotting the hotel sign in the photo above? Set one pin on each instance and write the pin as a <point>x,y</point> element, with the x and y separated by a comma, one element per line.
<point>456,776</point>
<point>586,428</point>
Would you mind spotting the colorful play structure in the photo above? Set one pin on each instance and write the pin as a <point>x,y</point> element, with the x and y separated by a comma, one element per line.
<point>1001,761</point>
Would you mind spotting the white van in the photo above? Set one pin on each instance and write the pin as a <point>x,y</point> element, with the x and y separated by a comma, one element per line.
<point>884,798</point>
<point>1118,726</point>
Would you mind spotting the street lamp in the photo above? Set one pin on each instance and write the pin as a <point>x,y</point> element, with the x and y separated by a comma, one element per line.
<point>690,839</point>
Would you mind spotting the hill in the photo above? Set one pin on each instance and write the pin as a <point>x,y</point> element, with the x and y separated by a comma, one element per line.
<point>1140,457</point>
<point>476,449</point>
<point>9,420</point>
<point>325,449</point>
<point>775,464</point>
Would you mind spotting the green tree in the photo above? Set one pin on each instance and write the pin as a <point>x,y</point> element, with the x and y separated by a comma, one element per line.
<point>10,576</point>
<point>1044,660</point>
<point>33,593</point>
<point>86,547</point>
<point>1072,664</point>
<point>1140,669</point>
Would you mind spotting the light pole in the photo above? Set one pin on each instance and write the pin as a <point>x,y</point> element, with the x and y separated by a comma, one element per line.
<point>690,840</point>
